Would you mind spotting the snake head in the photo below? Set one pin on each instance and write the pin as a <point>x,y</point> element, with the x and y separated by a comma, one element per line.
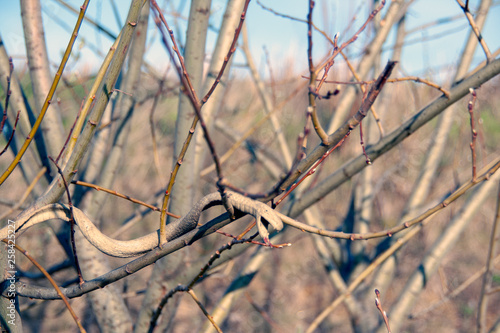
<point>265,216</point>
<point>271,220</point>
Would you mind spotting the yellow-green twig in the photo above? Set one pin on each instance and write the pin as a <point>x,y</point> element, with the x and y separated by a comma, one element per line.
<point>48,100</point>
<point>101,74</point>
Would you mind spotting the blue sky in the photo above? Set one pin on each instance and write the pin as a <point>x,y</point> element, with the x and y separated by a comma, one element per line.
<point>284,39</point>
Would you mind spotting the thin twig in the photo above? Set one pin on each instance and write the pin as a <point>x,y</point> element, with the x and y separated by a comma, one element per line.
<point>230,52</point>
<point>98,26</point>
<point>7,95</point>
<point>51,280</point>
<point>184,288</point>
<point>312,169</point>
<point>251,240</point>
<point>399,79</point>
<point>475,29</point>
<point>328,64</point>
<point>113,192</point>
<point>205,312</point>
<point>406,225</point>
<point>353,38</point>
<point>378,304</point>
<point>470,106</point>
<point>195,102</point>
<point>250,131</point>
<point>71,221</point>
<point>11,134</point>
<point>363,144</point>
<point>70,133</point>
<point>363,89</point>
<point>313,91</point>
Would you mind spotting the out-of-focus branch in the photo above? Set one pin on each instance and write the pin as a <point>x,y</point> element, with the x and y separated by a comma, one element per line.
<point>475,28</point>
<point>396,318</point>
<point>433,258</point>
<point>44,86</point>
<point>488,275</point>
<point>392,139</point>
<point>266,101</point>
<point>407,224</point>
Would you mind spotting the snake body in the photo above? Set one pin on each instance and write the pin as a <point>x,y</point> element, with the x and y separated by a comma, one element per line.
<point>138,246</point>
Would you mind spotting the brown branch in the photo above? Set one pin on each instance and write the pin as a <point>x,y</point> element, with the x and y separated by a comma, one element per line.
<point>333,139</point>
<point>329,65</point>
<point>424,81</point>
<point>311,112</point>
<point>337,136</point>
<point>181,71</point>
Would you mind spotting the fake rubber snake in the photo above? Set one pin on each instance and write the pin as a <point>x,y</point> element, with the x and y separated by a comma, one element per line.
<point>134,247</point>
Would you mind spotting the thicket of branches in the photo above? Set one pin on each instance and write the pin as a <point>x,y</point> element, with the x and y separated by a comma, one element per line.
<point>386,184</point>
